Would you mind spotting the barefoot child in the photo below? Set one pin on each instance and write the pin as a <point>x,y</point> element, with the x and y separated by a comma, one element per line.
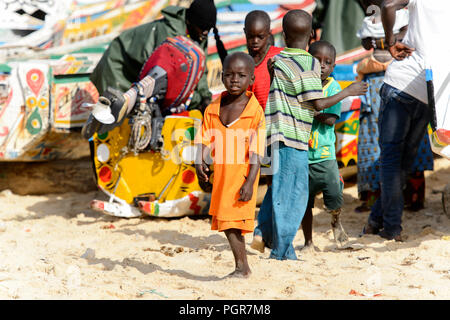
<point>234,131</point>
<point>323,168</point>
<point>258,36</point>
<point>261,49</point>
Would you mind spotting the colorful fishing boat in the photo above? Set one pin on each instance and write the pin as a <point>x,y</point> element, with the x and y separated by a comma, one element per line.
<point>46,58</point>
<point>44,85</point>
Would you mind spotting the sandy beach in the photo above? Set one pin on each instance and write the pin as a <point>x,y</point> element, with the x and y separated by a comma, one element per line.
<point>54,247</point>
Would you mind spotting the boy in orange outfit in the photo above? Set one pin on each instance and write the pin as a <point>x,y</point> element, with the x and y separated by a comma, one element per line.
<point>258,36</point>
<point>233,132</point>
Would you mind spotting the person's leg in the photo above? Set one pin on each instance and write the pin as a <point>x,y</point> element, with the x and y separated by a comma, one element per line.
<point>289,198</point>
<point>307,227</point>
<point>237,244</point>
<point>402,121</point>
<point>416,140</point>
<point>417,136</point>
<point>375,220</point>
<point>368,148</point>
<point>339,234</point>
<point>392,143</point>
<point>262,235</point>
<point>364,206</point>
<point>414,192</point>
<point>308,217</point>
<point>372,196</point>
<point>415,189</point>
<point>391,140</point>
<point>333,188</point>
<point>363,157</point>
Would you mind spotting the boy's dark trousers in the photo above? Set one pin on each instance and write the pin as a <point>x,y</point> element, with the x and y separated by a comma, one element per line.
<point>402,124</point>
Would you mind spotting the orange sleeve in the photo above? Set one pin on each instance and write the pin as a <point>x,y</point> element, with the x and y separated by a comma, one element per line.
<point>203,136</point>
<point>258,136</point>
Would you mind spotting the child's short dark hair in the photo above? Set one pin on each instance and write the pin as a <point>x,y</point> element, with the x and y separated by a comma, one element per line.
<point>257,15</point>
<point>297,25</point>
<point>317,45</point>
<point>242,56</point>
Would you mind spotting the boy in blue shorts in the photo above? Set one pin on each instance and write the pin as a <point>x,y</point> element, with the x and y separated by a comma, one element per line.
<point>323,168</point>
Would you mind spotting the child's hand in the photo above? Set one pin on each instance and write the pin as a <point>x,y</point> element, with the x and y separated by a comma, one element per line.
<point>357,88</point>
<point>201,170</point>
<point>246,191</point>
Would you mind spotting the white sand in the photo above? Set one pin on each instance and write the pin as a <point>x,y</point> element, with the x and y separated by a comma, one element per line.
<point>54,247</point>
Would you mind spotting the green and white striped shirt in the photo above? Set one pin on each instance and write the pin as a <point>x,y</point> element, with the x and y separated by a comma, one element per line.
<point>289,112</point>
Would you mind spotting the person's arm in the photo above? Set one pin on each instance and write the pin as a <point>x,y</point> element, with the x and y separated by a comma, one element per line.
<point>270,66</point>
<point>355,89</point>
<point>201,167</point>
<point>122,61</point>
<point>326,118</point>
<point>203,140</point>
<point>256,149</point>
<point>109,70</point>
<point>401,34</point>
<point>246,191</point>
<point>398,50</point>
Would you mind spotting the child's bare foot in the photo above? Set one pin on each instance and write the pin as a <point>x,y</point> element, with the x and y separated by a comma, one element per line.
<point>258,244</point>
<point>309,248</point>
<point>240,274</point>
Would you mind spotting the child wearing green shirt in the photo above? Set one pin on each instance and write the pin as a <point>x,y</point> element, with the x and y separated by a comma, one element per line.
<point>323,168</point>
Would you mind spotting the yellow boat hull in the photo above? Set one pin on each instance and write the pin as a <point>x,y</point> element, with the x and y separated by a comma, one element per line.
<point>168,176</point>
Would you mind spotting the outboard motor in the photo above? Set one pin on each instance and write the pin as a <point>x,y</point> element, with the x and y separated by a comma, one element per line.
<point>143,141</point>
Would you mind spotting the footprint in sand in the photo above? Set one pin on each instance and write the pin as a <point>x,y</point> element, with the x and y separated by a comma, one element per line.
<point>289,290</point>
<point>168,251</point>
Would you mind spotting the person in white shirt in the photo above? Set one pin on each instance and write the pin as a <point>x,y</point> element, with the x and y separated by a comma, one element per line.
<point>405,113</point>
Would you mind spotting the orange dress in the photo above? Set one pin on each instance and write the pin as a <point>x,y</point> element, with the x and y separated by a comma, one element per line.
<point>231,148</point>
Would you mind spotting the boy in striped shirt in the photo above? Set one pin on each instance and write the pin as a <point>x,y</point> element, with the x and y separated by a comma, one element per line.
<point>295,94</point>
